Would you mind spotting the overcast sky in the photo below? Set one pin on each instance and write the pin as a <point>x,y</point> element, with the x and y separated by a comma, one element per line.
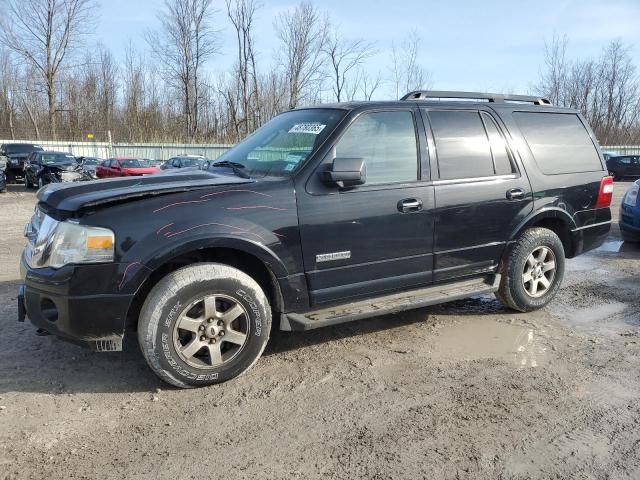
<point>491,45</point>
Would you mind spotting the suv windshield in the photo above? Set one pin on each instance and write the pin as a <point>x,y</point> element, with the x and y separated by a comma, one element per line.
<point>57,158</point>
<point>281,145</point>
<point>131,163</point>
<point>90,161</point>
<point>11,149</point>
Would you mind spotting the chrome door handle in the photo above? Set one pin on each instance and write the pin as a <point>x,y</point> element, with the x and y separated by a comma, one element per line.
<point>515,194</point>
<point>410,205</point>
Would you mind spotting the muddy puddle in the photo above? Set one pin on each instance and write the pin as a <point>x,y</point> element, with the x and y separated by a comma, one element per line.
<point>485,338</point>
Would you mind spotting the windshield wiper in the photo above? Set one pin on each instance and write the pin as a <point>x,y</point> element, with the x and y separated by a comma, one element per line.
<point>235,166</point>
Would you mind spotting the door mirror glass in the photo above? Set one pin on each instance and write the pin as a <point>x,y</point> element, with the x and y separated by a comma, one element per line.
<point>346,172</point>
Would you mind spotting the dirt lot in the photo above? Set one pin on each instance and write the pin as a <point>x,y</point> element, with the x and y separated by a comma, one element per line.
<point>466,390</point>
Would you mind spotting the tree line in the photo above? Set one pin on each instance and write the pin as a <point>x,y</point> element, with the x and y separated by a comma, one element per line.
<point>605,89</point>
<point>54,85</point>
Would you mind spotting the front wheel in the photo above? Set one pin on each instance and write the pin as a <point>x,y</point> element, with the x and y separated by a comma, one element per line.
<point>204,324</point>
<point>532,271</point>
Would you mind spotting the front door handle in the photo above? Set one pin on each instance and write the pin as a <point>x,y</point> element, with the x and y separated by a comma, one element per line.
<point>515,194</point>
<point>410,205</point>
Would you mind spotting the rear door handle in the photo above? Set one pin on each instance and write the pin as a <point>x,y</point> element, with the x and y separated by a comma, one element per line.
<point>410,205</point>
<point>515,194</point>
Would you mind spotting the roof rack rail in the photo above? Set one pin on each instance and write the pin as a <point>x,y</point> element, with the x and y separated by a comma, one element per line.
<point>487,97</point>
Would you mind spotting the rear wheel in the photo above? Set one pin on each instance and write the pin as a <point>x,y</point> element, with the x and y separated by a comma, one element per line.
<point>204,324</point>
<point>532,271</point>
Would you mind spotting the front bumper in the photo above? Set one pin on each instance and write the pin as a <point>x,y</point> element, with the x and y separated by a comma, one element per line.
<point>54,300</point>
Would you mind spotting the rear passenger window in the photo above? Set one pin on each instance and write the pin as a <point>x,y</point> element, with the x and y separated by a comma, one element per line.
<point>462,145</point>
<point>387,143</point>
<point>559,142</point>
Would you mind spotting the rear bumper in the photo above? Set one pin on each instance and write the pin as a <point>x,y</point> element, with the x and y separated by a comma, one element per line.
<point>589,237</point>
<point>15,171</point>
<point>94,321</point>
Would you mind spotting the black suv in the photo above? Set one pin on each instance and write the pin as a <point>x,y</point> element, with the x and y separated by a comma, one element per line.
<point>14,156</point>
<point>328,214</point>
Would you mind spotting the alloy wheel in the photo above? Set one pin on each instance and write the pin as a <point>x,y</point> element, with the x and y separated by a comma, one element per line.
<point>211,331</point>
<point>539,272</point>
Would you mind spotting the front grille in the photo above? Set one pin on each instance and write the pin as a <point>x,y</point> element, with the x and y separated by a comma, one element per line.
<point>32,228</point>
<point>39,232</point>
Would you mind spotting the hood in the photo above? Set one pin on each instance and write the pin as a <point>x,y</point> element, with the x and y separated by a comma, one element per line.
<point>71,197</point>
<point>62,167</point>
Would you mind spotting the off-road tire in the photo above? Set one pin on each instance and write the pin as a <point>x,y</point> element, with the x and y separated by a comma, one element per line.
<point>27,183</point>
<point>174,293</point>
<point>512,292</point>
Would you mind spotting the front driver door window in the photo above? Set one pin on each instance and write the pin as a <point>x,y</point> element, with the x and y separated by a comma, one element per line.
<point>387,143</point>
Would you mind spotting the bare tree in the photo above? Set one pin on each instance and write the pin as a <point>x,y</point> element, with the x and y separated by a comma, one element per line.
<point>406,72</point>
<point>303,35</point>
<point>8,95</point>
<point>369,85</point>
<point>45,33</point>
<point>184,43</point>
<point>554,75</point>
<point>344,56</point>
<point>241,13</point>
<point>606,90</point>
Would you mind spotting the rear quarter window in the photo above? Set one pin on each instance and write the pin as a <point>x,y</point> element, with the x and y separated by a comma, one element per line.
<point>559,142</point>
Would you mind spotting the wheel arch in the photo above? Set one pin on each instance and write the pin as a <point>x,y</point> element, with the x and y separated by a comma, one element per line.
<point>247,257</point>
<point>554,219</point>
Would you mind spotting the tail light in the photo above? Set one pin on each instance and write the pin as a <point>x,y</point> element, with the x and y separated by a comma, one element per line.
<point>605,195</point>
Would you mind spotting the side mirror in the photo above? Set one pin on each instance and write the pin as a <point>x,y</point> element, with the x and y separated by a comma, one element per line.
<point>346,172</point>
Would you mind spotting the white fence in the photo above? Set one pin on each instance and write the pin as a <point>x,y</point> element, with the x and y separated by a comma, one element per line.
<point>164,151</point>
<point>156,151</point>
<point>622,149</point>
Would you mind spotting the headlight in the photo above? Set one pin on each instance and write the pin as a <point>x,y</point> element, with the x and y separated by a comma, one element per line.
<point>62,243</point>
<point>631,198</point>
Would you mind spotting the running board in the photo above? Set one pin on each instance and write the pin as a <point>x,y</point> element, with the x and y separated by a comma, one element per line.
<point>389,304</point>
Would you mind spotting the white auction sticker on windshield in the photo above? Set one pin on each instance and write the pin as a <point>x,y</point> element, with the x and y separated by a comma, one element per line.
<point>313,128</point>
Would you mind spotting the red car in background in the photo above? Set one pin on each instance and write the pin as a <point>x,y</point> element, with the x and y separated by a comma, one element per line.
<point>124,167</point>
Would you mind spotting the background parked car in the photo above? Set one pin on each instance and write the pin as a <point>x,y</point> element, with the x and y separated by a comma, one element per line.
<point>42,168</point>
<point>89,165</point>
<point>152,162</point>
<point>124,167</point>
<point>624,166</point>
<point>15,154</point>
<point>184,161</point>
<point>630,214</point>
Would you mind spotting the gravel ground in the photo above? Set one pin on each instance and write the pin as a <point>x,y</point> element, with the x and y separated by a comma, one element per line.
<point>467,390</point>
